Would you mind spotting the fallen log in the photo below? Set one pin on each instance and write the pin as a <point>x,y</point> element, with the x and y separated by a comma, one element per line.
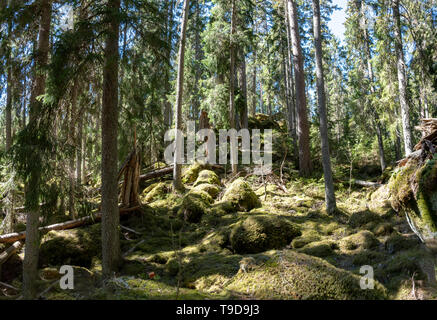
<point>366,183</point>
<point>5,255</point>
<point>12,237</point>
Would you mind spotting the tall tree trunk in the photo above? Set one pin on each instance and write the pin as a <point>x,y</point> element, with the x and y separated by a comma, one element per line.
<point>198,56</point>
<point>326,159</point>
<point>167,87</point>
<point>375,115</point>
<point>30,263</point>
<point>79,148</point>
<point>291,100</point>
<point>305,166</point>
<point>73,142</point>
<point>177,172</point>
<point>402,80</point>
<point>244,121</point>
<point>232,83</point>
<point>111,256</point>
<point>8,111</point>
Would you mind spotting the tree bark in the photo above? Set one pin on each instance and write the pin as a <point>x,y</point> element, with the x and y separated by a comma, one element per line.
<point>305,166</point>
<point>30,263</point>
<point>177,173</point>
<point>244,121</point>
<point>232,84</point>
<point>72,140</point>
<point>111,254</point>
<point>402,80</point>
<point>326,159</point>
<point>8,111</point>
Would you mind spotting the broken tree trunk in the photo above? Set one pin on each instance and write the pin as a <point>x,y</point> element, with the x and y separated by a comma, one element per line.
<point>131,170</point>
<point>12,237</point>
<point>5,255</point>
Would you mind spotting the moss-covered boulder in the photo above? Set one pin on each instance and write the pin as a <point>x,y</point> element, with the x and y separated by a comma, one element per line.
<point>212,189</point>
<point>360,219</point>
<point>398,242</point>
<point>75,247</point>
<point>413,188</point>
<point>194,205</point>
<point>361,240</point>
<point>320,249</point>
<point>241,195</point>
<point>190,174</point>
<point>297,276</point>
<point>156,191</point>
<point>260,233</point>
<point>207,176</point>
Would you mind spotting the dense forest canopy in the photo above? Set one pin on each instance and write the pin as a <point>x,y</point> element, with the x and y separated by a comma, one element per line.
<point>87,86</point>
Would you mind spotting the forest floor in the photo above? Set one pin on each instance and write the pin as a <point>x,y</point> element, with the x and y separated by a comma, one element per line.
<point>168,258</point>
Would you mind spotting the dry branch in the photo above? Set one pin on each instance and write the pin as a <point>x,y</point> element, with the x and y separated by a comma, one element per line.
<point>5,255</point>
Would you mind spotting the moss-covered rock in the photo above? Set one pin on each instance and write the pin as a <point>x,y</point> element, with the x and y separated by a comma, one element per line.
<point>320,249</point>
<point>212,189</point>
<point>241,195</point>
<point>361,240</point>
<point>362,218</point>
<point>192,172</point>
<point>296,276</point>
<point>398,242</point>
<point>383,229</point>
<point>305,239</point>
<point>157,191</point>
<point>222,208</point>
<point>75,247</point>
<point>260,233</point>
<point>207,176</point>
<point>194,205</point>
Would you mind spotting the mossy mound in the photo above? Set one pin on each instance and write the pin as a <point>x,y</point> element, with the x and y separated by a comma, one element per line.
<point>157,191</point>
<point>75,247</point>
<point>360,219</point>
<point>413,188</point>
<point>222,208</point>
<point>305,239</point>
<point>194,205</point>
<point>192,172</point>
<point>398,242</point>
<point>320,249</point>
<point>260,233</point>
<point>207,176</point>
<point>241,195</point>
<point>211,189</point>
<point>297,276</point>
<point>383,229</point>
<point>361,240</point>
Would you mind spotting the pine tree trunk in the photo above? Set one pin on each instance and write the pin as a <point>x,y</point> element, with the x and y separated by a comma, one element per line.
<point>30,263</point>
<point>79,148</point>
<point>72,141</point>
<point>177,172</point>
<point>402,81</point>
<point>111,255</point>
<point>244,121</point>
<point>167,87</point>
<point>8,111</point>
<point>232,85</point>
<point>326,159</point>
<point>305,166</point>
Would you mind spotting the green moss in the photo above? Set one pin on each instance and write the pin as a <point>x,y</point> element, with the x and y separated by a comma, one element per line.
<point>75,247</point>
<point>211,189</point>
<point>367,257</point>
<point>192,172</point>
<point>155,192</point>
<point>260,233</point>
<point>207,176</point>
<point>241,195</point>
<point>360,219</point>
<point>223,208</point>
<point>292,275</point>
<point>305,239</point>
<point>194,205</point>
<point>320,248</point>
<point>398,242</point>
<point>172,267</point>
<point>399,185</point>
<point>361,240</point>
<point>383,229</point>
<point>427,194</point>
